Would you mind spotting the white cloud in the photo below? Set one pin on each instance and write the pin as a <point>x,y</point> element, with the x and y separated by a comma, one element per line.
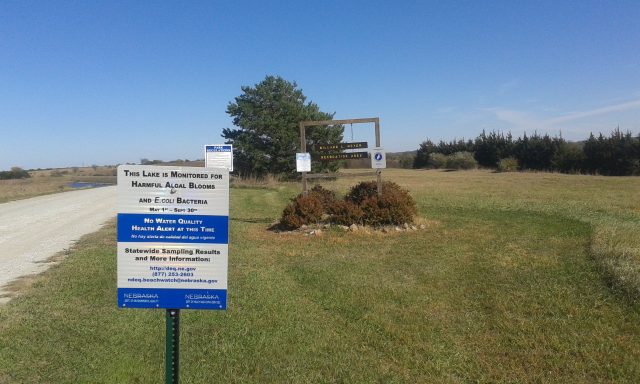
<point>635,104</point>
<point>526,121</point>
<point>521,120</point>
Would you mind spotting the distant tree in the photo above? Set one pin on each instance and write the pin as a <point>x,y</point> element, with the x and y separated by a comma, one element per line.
<point>149,162</point>
<point>536,152</point>
<point>455,146</point>
<point>617,155</point>
<point>508,164</point>
<point>461,160</point>
<point>14,173</point>
<point>591,149</point>
<point>19,171</point>
<point>490,148</point>
<point>569,158</point>
<point>267,134</point>
<point>406,161</point>
<point>437,161</point>
<point>424,152</point>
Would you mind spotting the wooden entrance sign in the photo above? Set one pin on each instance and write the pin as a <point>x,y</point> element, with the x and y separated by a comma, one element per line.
<point>338,147</point>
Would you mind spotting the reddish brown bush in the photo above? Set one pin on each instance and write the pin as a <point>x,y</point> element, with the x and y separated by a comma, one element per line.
<point>364,190</point>
<point>395,206</point>
<point>346,213</point>
<point>361,206</point>
<point>301,211</point>
<point>327,197</point>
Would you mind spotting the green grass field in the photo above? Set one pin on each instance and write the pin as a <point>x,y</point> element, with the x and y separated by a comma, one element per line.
<point>519,277</point>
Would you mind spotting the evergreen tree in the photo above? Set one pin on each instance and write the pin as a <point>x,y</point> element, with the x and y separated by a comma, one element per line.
<point>454,146</point>
<point>617,155</point>
<point>537,152</point>
<point>423,154</point>
<point>490,149</point>
<point>569,158</point>
<point>268,135</point>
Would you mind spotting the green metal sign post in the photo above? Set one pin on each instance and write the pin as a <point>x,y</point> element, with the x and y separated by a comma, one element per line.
<point>172,348</point>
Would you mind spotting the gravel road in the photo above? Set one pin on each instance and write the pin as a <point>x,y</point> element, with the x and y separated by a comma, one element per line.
<point>33,230</point>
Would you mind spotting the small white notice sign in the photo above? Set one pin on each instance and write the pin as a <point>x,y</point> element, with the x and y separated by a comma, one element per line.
<point>378,158</point>
<point>218,156</point>
<point>303,162</point>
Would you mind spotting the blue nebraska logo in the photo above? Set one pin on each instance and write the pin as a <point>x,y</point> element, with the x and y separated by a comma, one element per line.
<point>140,296</point>
<point>201,297</point>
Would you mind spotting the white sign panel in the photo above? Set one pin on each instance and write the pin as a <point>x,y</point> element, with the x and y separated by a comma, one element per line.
<point>173,231</point>
<point>378,158</point>
<point>219,156</point>
<point>303,162</point>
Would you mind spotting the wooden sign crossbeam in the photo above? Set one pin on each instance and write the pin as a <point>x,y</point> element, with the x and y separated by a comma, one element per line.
<point>336,122</point>
<point>340,175</point>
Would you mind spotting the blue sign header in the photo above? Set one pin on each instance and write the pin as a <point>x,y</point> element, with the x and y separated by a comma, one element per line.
<point>218,148</point>
<point>156,228</point>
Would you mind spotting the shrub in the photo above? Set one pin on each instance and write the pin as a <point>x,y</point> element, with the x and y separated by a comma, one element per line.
<point>437,160</point>
<point>461,160</point>
<point>346,213</point>
<point>361,206</point>
<point>508,164</point>
<point>361,191</point>
<point>301,211</point>
<point>389,209</point>
<point>14,173</point>
<point>326,197</point>
<point>395,206</point>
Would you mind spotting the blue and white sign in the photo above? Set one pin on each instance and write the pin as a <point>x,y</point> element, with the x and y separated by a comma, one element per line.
<point>378,158</point>
<point>219,156</point>
<point>173,237</point>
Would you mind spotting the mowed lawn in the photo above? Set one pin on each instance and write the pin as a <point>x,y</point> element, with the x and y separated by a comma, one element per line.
<point>518,278</point>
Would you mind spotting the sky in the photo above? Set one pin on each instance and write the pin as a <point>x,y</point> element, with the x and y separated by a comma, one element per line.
<point>108,82</point>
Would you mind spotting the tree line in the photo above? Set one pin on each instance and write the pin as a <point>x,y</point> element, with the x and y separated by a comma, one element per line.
<point>265,137</point>
<point>615,155</point>
<point>14,173</point>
